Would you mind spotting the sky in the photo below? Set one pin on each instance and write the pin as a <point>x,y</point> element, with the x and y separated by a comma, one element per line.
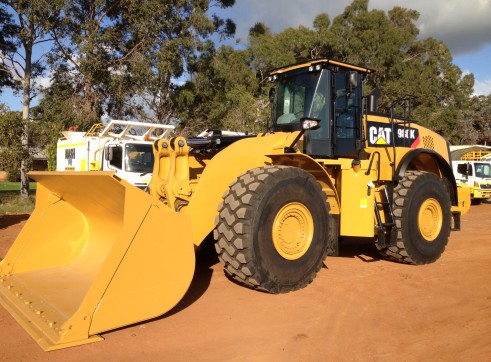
<point>464,26</point>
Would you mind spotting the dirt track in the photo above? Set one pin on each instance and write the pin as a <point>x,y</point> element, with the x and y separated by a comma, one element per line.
<point>359,308</point>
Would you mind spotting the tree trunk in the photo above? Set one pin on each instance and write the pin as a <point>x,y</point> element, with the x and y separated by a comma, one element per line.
<point>24,166</point>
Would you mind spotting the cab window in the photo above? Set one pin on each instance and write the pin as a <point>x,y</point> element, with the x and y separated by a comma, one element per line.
<point>116,156</point>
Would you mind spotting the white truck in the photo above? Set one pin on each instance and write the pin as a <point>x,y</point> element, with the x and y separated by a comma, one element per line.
<point>471,167</point>
<point>122,146</point>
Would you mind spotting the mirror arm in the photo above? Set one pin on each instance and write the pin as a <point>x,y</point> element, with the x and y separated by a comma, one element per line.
<point>291,149</point>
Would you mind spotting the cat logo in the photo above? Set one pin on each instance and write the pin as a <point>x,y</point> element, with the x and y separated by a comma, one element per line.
<point>379,135</point>
<point>382,135</point>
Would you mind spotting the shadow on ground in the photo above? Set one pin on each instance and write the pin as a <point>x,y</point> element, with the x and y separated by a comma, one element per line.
<point>9,220</point>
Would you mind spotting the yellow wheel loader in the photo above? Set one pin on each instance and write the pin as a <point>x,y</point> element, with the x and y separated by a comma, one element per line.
<point>98,253</point>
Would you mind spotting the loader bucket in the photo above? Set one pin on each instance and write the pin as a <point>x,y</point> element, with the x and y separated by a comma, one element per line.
<point>96,254</point>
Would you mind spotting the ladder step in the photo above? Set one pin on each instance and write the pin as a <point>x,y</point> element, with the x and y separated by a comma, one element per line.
<point>387,231</point>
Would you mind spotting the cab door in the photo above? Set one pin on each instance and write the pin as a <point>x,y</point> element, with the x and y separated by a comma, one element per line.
<point>346,95</point>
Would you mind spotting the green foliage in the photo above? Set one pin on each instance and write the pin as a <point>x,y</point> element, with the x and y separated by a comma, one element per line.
<point>20,32</point>
<point>17,59</point>
<point>474,124</point>
<point>11,203</point>
<point>155,61</point>
<point>57,111</point>
<point>6,45</point>
<point>12,152</point>
<point>183,31</point>
<point>387,42</point>
<point>128,53</point>
<point>222,92</point>
<point>221,95</point>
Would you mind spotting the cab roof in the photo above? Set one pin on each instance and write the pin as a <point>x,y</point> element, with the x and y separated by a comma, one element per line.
<point>320,61</point>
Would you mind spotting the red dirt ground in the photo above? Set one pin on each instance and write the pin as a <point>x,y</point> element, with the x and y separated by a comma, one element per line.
<point>359,308</point>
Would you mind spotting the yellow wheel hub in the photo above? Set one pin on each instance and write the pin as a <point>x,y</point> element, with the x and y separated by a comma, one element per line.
<point>293,230</point>
<point>430,219</point>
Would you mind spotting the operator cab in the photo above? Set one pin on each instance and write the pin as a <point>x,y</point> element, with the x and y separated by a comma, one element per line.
<point>327,91</point>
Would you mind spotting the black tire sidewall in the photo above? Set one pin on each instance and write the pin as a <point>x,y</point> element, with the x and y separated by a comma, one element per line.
<point>292,185</point>
<point>418,248</point>
<point>476,202</point>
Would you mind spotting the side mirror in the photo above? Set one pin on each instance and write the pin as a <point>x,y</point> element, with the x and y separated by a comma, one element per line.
<point>373,99</point>
<point>352,80</point>
<point>109,153</point>
<point>307,123</point>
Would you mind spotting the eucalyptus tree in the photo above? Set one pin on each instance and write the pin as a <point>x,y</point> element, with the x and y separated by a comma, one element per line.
<point>12,154</point>
<point>124,57</point>
<point>183,33</point>
<point>228,88</point>
<point>89,43</point>
<point>388,42</point>
<point>58,110</point>
<point>474,126</point>
<point>221,94</point>
<point>7,31</point>
<point>404,63</point>
<point>25,32</point>
<point>11,130</point>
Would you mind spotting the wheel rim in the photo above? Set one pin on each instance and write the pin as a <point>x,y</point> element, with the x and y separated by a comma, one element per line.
<point>430,219</point>
<point>293,230</point>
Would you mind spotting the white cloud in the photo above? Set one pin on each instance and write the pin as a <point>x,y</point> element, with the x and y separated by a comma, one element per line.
<point>279,14</point>
<point>482,87</point>
<point>44,82</point>
<point>464,26</point>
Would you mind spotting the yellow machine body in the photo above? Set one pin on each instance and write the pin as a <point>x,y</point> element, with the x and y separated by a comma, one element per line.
<point>98,253</point>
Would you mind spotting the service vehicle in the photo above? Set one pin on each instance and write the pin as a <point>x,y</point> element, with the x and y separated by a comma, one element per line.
<point>98,254</point>
<point>477,175</point>
<point>121,146</point>
<point>472,168</point>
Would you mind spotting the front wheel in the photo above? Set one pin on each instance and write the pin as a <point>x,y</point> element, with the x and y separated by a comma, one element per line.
<point>272,229</point>
<point>423,218</point>
<point>476,201</point>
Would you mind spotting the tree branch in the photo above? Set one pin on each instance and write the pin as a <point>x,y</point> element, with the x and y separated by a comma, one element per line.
<point>63,51</point>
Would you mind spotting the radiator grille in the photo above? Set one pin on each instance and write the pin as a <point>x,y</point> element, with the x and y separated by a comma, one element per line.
<point>428,142</point>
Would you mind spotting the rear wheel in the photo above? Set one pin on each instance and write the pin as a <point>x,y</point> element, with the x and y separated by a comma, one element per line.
<point>272,229</point>
<point>423,218</point>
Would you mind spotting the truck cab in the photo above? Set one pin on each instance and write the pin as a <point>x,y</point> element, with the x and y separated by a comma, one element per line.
<point>124,147</point>
<point>132,161</point>
<point>477,175</point>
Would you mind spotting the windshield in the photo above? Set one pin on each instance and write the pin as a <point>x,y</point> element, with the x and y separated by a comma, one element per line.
<point>302,94</point>
<point>139,158</point>
<point>483,170</point>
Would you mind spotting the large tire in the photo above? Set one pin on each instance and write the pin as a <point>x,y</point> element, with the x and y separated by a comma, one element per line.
<point>476,201</point>
<point>423,218</point>
<point>272,229</point>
